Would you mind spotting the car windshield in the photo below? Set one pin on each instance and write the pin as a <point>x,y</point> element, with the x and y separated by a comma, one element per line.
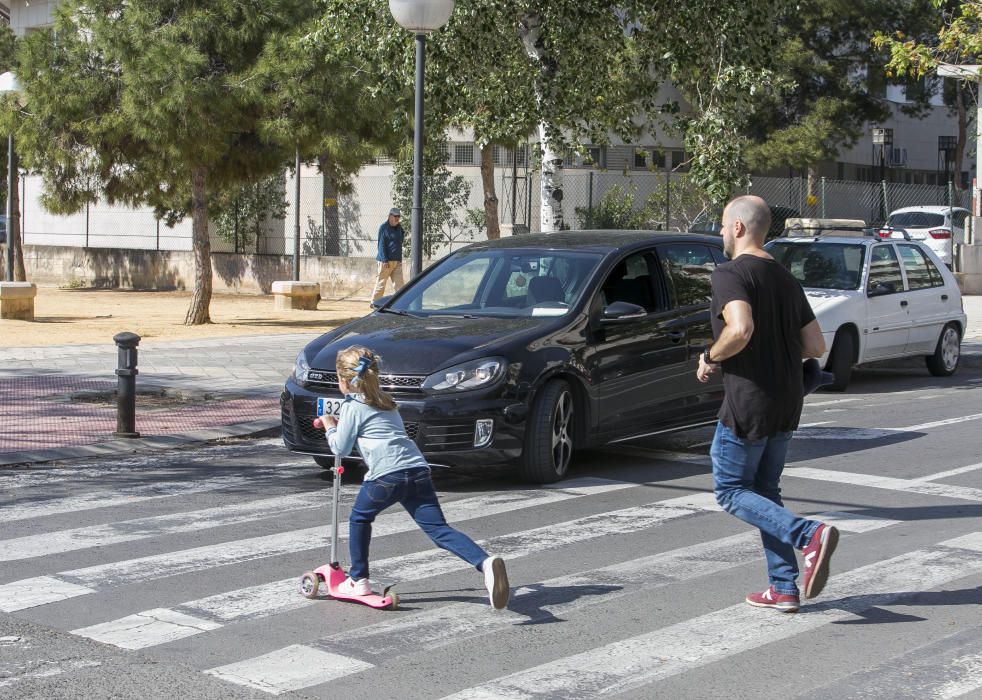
<point>915,219</point>
<point>821,265</point>
<point>503,283</point>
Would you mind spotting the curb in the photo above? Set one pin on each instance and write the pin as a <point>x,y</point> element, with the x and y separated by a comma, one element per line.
<point>260,428</point>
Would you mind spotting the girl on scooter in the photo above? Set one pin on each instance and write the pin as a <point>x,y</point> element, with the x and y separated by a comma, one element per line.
<point>397,473</point>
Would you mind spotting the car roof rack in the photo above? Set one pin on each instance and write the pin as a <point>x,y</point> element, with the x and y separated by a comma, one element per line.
<point>814,228</point>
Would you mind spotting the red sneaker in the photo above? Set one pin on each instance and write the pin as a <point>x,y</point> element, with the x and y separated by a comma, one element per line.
<point>772,599</point>
<point>816,556</point>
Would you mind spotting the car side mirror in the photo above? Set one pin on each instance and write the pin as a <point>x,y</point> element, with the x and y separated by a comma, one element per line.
<point>380,302</point>
<point>621,311</point>
<point>880,289</point>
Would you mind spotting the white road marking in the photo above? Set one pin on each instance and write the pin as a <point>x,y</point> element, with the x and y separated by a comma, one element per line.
<point>49,671</point>
<point>809,404</point>
<point>886,482</point>
<point>290,668</point>
<point>47,543</point>
<point>21,594</point>
<point>139,494</point>
<point>280,596</point>
<point>950,472</point>
<point>161,624</point>
<point>40,590</point>
<point>451,624</point>
<point>635,662</point>
<point>940,423</point>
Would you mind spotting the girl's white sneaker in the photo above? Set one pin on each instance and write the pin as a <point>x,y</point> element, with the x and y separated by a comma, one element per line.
<point>496,581</point>
<point>351,587</point>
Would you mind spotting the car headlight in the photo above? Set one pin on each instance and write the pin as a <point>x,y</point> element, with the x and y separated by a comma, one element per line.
<point>476,374</point>
<point>301,368</point>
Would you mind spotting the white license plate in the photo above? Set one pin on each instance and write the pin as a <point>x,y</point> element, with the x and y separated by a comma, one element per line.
<point>329,407</point>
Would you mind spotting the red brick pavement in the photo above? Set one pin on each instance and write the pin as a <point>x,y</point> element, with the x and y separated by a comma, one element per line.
<point>36,413</point>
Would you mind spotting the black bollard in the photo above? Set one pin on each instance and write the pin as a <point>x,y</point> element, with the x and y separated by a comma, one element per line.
<point>126,392</point>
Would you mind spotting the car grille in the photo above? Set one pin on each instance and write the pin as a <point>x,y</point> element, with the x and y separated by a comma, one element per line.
<point>310,434</point>
<point>392,383</point>
<point>449,436</point>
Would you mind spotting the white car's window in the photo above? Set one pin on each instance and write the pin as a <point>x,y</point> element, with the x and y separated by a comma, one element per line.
<point>821,265</point>
<point>884,271</point>
<point>916,219</point>
<point>921,272</point>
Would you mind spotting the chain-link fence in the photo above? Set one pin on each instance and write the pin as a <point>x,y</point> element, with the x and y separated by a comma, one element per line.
<point>846,199</point>
<point>347,225</point>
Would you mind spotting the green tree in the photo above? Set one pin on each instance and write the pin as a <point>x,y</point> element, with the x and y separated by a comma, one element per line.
<point>242,214</point>
<point>954,35</point>
<point>154,101</point>
<point>445,196</point>
<point>828,66</point>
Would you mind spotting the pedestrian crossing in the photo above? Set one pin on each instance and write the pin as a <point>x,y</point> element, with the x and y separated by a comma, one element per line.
<point>594,529</point>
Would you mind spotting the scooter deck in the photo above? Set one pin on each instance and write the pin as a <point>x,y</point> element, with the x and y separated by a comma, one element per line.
<point>334,577</point>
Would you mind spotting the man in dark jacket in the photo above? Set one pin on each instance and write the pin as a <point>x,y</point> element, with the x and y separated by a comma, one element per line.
<point>763,327</point>
<point>390,237</point>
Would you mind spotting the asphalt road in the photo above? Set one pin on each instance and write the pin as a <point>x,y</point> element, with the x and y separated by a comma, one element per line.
<point>175,575</point>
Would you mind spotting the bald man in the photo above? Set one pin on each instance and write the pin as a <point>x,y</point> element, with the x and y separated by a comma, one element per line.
<point>763,327</point>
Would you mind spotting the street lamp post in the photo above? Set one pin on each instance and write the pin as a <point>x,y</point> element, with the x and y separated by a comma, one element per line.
<point>420,17</point>
<point>8,83</point>
<point>884,139</point>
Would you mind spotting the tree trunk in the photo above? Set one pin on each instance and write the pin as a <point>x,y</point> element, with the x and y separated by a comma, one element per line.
<point>201,299</point>
<point>332,218</point>
<point>551,189</point>
<point>490,196</point>
<point>14,231</point>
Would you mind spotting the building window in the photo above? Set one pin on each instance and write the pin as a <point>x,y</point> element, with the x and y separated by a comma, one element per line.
<point>649,158</point>
<point>591,157</point>
<point>679,160</point>
<point>463,154</point>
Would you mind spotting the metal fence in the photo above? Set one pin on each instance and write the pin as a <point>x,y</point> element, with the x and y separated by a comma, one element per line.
<point>848,199</point>
<point>347,225</point>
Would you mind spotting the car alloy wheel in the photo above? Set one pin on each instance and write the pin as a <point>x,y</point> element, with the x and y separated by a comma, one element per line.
<point>549,434</point>
<point>947,353</point>
<point>562,440</point>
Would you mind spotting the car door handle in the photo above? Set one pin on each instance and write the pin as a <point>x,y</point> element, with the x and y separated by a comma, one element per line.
<point>676,336</point>
<point>903,304</point>
<point>944,297</point>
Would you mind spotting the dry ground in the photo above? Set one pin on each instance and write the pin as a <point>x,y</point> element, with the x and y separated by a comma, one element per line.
<point>83,316</point>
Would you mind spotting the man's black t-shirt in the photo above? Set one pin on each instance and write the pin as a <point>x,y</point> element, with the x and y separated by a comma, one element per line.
<point>763,381</point>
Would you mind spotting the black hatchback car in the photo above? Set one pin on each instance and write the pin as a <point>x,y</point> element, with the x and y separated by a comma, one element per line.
<point>522,350</point>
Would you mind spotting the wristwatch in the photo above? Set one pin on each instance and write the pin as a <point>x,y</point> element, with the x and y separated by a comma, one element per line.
<point>705,357</point>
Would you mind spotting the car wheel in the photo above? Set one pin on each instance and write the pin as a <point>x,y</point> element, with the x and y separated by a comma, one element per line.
<point>840,360</point>
<point>549,435</point>
<point>944,361</point>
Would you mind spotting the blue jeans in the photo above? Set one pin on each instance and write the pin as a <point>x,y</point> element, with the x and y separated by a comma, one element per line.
<point>413,488</point>
<point>746,476</point>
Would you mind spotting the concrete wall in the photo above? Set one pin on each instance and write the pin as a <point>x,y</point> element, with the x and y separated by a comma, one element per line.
<point>970,268</point>
<point>150,269</point>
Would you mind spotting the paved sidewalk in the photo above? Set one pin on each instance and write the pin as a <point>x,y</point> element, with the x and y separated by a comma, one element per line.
<point>212,388</point>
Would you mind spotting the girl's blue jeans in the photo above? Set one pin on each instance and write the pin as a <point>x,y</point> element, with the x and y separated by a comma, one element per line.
<point>746,476</point>
<point>413,488</point>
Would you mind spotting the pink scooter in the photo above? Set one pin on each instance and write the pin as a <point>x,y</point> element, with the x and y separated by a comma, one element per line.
<point>332,573</point>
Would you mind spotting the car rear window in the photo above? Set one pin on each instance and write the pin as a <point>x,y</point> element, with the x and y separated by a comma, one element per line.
<point>916,219</point>
<point>821,265</point>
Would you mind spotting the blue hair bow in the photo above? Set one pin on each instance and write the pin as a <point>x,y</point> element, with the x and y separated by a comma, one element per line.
<point>364,362</point>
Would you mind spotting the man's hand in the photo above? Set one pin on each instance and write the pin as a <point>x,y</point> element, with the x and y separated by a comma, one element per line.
<point>330,421</point>
<point>705,369</point>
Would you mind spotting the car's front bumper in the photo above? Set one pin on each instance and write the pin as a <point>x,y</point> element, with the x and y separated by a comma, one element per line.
<point>442,426</point>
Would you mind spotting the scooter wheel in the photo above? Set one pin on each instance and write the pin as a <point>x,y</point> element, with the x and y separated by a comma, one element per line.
<point>394,602</point>
<point>308,585</point>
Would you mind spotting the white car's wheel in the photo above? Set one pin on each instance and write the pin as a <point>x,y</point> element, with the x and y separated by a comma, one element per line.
<point>944,361</point>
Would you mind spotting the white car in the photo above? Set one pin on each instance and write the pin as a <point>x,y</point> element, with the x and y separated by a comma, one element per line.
<point>877,299</point>
<point>937,226</point>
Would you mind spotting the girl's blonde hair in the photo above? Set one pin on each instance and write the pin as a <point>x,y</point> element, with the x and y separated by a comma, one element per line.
<point>350,361</point>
